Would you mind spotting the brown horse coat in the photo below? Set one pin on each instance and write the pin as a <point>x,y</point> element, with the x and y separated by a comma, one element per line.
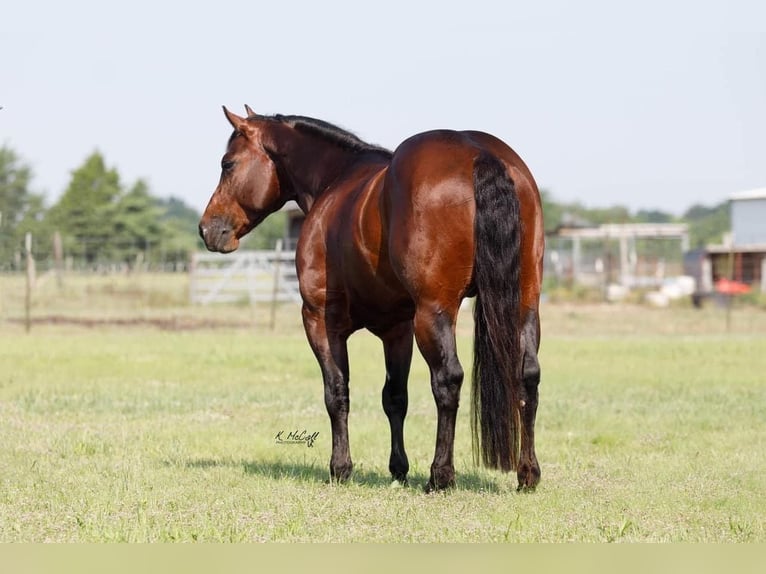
<point>393,243</point>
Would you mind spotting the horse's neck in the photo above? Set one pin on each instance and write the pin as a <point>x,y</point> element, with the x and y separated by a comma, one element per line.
<point>311,172</point>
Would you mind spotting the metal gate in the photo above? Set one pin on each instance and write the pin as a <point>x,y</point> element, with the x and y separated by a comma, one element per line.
<point>243,276</point>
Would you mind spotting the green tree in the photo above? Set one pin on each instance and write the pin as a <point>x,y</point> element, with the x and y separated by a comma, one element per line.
<point>553,212</point>
<point>179,228</point>
<point>101,222</point>
<point>136,226</point>
<point>653,216</point>
<point>174,209</point>
<point>20,209</point>
<point>85,212</point>
<point>707,224</point>
<point>614,214</point>
<point>266,234</point>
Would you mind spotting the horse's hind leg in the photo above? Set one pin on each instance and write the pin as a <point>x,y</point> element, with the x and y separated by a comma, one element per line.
<point>528,471</point>
<point>435,335</point>
<point>329,346</point>
<point>397,346</point>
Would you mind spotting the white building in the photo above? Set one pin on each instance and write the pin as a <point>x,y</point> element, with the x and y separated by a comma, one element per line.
<point>742,256</point>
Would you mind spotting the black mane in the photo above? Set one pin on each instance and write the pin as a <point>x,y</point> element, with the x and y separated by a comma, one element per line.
<point>333,133</point>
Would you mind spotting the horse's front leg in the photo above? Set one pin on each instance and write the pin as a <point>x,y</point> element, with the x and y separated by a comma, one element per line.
<point>328,341</point>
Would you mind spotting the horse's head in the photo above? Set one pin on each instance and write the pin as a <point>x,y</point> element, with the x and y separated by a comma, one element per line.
<point>248,190</point>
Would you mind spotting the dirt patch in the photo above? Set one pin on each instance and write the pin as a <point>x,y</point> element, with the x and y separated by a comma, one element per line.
<point>165,324</point>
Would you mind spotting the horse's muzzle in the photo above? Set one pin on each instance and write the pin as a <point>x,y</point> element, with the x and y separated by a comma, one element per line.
<point>218,235</point>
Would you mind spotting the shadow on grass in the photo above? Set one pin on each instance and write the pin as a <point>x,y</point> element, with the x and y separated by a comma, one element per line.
<point>473,480</point>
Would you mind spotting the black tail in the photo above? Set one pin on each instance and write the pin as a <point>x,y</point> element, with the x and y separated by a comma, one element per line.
<point>495,392</point>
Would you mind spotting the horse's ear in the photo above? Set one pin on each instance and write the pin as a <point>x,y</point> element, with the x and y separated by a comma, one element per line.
<point>249,111</point>
<point>236,122</point>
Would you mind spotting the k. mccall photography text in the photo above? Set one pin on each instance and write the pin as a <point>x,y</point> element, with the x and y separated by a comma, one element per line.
<point>296,437</point>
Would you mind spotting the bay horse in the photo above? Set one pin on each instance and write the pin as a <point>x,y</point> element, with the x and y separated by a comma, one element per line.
<point>393,242</point>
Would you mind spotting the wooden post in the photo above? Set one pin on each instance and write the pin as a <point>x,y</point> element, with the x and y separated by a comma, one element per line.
<point>138,265</point>
<point>1,295</point>
<point>58,259</point>
<point>624,262</point>
<point>30,282</point>
<point>729,297</point>
<point>275,291</point>
<point>192,279</point>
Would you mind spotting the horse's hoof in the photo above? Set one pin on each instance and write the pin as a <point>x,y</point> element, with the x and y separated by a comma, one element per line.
<point>437,485</point>
<point>341,473</point>
<point>400,477</point>
<point>529,478</point>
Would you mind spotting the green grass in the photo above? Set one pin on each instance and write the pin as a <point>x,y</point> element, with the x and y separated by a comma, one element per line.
<point>650,428</point>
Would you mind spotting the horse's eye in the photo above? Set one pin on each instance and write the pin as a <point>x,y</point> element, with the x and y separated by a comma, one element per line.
<point>227,164</point>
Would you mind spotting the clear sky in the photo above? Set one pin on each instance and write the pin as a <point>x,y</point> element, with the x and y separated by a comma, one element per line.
<point>654,104</point>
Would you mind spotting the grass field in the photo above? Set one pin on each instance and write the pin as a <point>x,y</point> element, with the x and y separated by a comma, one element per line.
<point>126,415</point>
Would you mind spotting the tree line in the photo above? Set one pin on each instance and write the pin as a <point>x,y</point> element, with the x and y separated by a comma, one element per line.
<point>103,222</point>
<point>100,220</point>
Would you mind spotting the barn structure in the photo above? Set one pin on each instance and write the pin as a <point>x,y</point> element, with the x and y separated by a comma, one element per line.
<point>625,254</point>
<point>294,224</point>
<point>742,255</point>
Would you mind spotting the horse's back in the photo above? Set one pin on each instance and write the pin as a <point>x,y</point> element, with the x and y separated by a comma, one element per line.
<point>430,205</point>
<point>431,164</point>
<point>390,238</point>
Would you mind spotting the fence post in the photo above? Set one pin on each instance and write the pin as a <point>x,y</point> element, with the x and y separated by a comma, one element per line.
<point>58,259</point>
<point>1,295</point>
<point>729,297</point>
<point>192,280</point>
<point>30,282</point>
